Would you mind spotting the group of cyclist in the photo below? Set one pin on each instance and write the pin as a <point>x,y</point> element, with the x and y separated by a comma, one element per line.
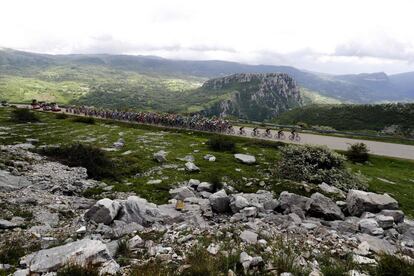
<point>294,136</point>
<point>196,122</point>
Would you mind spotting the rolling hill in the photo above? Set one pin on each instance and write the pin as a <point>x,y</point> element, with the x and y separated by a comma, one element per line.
<point>153,83</point>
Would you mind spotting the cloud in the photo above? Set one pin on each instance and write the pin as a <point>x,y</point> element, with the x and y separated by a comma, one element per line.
<point>382,47</point>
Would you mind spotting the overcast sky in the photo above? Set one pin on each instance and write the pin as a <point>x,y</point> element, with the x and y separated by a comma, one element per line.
<point>332,36</point>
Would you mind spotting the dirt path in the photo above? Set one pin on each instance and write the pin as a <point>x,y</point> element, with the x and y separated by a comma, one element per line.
<point>337,143</point>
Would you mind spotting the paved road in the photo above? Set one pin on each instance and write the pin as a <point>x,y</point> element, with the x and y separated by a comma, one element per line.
<point>340,143</point>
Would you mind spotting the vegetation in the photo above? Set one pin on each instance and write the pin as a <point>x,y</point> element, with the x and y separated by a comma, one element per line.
<point>389,265</point>
<point>61,116</point>
<point>358,153</point>
<point>221,143</point>
<point>354,117</point>
<point>24,116</point>
<point>134,166</point>
<point>85,120</point>
<point>317,165</point>
<point>392,176</point>
<point>93,159</point>
<point>78,270</point>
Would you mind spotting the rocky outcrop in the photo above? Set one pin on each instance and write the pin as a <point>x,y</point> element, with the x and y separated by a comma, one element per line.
<point>322,206</point>
<point>104,211</point>
<point>83,252</point>
<point>253,96</point>
<point>359,202</point>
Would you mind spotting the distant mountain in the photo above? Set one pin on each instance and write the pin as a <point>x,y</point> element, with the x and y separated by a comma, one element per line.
<point>144,81</point>
<point>252,96</point>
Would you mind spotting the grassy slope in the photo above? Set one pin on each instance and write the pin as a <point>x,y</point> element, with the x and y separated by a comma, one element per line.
<point>396,170</point>
<point>144,140</point>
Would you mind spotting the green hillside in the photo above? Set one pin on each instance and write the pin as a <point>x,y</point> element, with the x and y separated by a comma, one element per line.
<point>354,117</point>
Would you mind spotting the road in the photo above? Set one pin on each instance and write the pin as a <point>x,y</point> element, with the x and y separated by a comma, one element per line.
<point>338,143</point>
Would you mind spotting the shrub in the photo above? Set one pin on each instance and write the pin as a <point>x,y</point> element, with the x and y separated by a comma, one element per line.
<point>221,143</point>
<point>78,270</point>
<point>389,265</point>
<point>358,153</point>
<point>215,179</point>
<point>24,116</point>
<point>317,165</point>
<point>11,252</point>
<point>61,116</point>
<point>85,120</point>
<point>78,155</point>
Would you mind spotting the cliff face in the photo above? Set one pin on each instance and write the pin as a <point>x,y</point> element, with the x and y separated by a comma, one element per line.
<point>254,96</point>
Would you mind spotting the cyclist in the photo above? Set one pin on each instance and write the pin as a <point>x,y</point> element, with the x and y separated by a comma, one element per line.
<point>294,134</point>
<point>268,132</point>
<point>241,130</point>
<point>255,131</point>
<point>280,134</point>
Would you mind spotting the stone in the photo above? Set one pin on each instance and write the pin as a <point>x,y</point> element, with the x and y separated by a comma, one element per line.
<point>205,187</point>
<point>139,210</point>
<point>323,207</point>
<point>384,222</point>
<point>245,158</point>
<point>154,181</point>
<point>81,252</point>
<point>377,245</point>
<point>81,230</point>
<point>220,202</point>
<point>289,200</point>
<point>104,211</point>
<point>398,215</point>
<point>5,224</point>
<point>237,203</point>
<point>369,226</point>
<point>191,167</point>
<point>213,249</point>
<point>9,182</point>
<point>361,260</point>
<point>249,212</point>
<point>187,158</point>
<point>193,183</point>
<point>359,202</point>
<point>160,156</point>
<point>182,193</point>
<point>135,242</point>
<point>249,237</point>
<point>245,259</point>
<point>363,249</point>
<point>331,189</point>
<point>309,225</point>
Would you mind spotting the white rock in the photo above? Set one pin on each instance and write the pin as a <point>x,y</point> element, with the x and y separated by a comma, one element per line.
<point>249,237</point>
<point>213,248</point>
<point>191,167</point>
<point>104,211</point>
<point>81,230</point>
<point>245,158</point>
<point>135,242</point>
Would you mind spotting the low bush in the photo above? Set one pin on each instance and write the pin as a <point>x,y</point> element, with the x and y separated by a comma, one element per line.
<point>78,270</point>
<point>61,116</point>
<point>215,179</point>
<point>78,155</point>
<point>221,143</point>
<point>358,153</point>
<point>389,265</point>
<point>85,120</point>
<point>317,165</point>
<point>24,116</point>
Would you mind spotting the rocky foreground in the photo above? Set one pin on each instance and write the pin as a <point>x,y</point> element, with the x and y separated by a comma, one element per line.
<point>43,207</point>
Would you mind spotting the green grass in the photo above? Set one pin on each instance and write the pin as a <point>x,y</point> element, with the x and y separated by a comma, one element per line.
<point>142,141</point>
<point>399,171</point>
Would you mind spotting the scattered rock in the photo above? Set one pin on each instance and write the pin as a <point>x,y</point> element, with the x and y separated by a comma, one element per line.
<point>220,202</point>
<point>359,202</point>
<point>249,237</point>
<point>104,211</point>
<point>323,207</point>
<point>191,167</point>
<point>245,158</point>
<point>160,156</point>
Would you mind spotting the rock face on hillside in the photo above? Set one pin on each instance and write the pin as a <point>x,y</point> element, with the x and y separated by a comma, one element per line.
<point>254,96</point>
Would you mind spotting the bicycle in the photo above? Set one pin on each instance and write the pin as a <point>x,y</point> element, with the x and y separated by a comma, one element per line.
<point>255,133</point>
<point>295,138</point>
<point>267,135</point>
<point>280,136</point>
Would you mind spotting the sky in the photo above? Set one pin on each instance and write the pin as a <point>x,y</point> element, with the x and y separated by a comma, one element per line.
<point>330,36</point>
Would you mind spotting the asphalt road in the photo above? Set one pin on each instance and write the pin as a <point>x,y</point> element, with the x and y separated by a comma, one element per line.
<point>338,143</point>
